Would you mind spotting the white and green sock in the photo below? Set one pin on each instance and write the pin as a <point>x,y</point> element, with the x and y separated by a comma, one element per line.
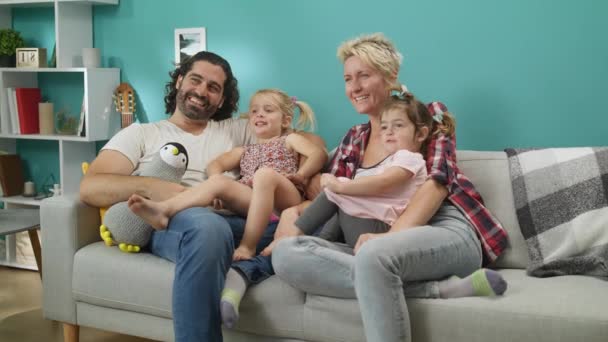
<point>233,292</point>
<point>483,282</point>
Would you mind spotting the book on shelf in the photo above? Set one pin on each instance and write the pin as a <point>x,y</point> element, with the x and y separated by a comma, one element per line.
<point>83,131</point>
<point>11,175</point>
<point>27,108</point>
<point>13,117</point>
<point>5,116</point>
<point>81,123</point>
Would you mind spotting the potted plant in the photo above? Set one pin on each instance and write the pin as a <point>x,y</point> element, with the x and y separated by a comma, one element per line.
<point>10,40</point>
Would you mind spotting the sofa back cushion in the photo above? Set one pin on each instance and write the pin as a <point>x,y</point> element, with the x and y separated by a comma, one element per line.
<point>489,172</point>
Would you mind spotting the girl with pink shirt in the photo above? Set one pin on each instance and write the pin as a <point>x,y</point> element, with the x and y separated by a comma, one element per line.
<point>376,197</point>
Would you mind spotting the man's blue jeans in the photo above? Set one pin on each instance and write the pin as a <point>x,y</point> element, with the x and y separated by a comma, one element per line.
<point>201,244</point>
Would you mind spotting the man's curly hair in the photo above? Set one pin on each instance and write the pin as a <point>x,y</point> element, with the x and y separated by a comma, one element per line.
<point>231,91</point>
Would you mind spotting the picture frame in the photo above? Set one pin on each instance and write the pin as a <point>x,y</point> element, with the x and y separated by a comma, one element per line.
<point>189,41</point>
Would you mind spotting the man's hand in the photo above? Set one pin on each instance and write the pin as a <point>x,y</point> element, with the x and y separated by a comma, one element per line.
<point>286,228</point>
<point>218,204</point>
<point>363,238</point>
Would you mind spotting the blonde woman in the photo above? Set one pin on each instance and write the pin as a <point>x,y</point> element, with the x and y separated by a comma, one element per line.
<point>445,231</point>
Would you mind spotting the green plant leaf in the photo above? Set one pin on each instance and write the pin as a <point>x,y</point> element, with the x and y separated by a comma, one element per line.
<point>10,40</point>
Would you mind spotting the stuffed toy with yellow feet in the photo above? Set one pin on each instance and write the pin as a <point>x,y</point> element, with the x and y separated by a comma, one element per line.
<point>120,226</point>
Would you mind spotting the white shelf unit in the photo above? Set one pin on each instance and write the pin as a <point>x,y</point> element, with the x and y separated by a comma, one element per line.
<point>73,25</point>
<point>21,200</point>
<point>25,3</point>
<point>101,119</point>
<point>73,21</point>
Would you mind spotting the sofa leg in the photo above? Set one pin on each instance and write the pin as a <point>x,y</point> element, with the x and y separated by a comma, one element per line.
<point>70,332</point>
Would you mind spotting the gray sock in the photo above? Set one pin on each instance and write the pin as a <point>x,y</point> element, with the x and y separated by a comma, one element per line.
<point>483,282</point>
<point>233,292</point>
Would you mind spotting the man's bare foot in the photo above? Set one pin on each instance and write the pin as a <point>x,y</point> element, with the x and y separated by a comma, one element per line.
<point>243,253</point>
<point>154,213</point>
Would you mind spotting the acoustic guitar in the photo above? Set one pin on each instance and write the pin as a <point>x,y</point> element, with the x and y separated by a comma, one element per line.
<point>124,98</point>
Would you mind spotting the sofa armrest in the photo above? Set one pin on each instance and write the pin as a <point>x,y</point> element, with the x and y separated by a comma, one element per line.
<point>67,225</point>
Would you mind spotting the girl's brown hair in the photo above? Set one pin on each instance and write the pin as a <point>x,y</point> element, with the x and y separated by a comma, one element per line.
<point>434,116</point>
<point>444,121</point>
<point>415,110</point>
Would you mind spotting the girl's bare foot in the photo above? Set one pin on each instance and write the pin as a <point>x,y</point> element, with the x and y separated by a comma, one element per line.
<point>243,253</point>
<point>154,213</point>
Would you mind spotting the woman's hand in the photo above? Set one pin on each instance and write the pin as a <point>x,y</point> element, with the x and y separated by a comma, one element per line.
<point>286,228</point>
<point>363,238</point>
<point>329,181</point>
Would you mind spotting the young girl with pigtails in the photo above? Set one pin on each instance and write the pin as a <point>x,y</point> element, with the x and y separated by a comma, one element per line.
<point>377,195</point>
<point>271,174</point>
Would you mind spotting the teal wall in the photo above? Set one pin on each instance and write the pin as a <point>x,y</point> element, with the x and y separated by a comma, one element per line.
<point>516,73</point>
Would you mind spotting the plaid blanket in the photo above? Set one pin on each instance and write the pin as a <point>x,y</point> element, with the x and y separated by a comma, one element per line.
<point>561,197</point>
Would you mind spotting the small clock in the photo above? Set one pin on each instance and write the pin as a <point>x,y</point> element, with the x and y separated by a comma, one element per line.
<point>31,58</point>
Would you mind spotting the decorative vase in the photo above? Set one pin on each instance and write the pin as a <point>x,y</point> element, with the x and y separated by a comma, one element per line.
<point>46,120</point>
<point>7,61</point>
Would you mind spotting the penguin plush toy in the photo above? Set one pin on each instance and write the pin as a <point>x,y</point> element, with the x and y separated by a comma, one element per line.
<point>120,225</point>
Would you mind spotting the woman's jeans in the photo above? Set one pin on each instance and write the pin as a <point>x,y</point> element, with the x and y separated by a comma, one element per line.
<point>385,270</point>
<point>201,244</point>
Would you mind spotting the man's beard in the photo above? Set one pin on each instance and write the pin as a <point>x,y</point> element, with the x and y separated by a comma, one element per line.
<point>193,112</point>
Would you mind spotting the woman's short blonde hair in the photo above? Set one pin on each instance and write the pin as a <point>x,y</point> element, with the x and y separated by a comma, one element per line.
<point>378,52</point>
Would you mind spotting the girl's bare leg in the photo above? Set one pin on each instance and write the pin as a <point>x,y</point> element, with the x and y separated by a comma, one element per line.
<point>270,190</point>
<point>157,214</point>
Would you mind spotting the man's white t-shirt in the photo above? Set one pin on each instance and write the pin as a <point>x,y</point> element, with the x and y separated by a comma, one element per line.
<point>139,142</point>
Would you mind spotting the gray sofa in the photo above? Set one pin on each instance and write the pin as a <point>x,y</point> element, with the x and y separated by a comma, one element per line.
<point>88,284</point>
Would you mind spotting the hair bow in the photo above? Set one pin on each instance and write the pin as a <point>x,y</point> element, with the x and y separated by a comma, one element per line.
<point>400,94</point>
<point>437,109</point>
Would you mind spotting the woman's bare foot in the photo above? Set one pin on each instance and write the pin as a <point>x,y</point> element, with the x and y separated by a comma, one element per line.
<point>243,253</point>
<point>154,213</point>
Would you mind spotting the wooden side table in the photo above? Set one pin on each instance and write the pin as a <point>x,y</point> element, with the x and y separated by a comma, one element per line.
<point>15,220</point>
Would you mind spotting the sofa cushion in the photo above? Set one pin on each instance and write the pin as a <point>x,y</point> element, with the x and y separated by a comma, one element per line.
<point>139,282</point>
<point>489,172</point>
<point>569,308</point>
<point>273,308</point>
<point>332,319</point>
<point>562,206</point>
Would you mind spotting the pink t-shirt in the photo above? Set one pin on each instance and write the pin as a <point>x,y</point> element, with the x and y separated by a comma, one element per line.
<point>388,206</point>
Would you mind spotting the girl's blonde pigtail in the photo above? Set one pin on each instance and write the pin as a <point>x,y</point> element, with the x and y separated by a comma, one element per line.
<point>306,119</point>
